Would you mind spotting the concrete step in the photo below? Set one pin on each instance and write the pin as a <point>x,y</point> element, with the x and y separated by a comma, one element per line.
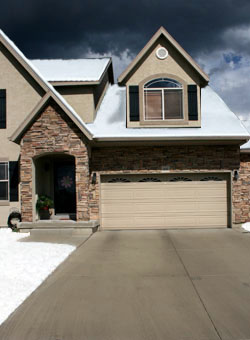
<point>60,227</point>
<point>66,217</point>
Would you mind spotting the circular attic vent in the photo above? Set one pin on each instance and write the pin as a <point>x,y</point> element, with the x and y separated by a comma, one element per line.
<point>162,53</point>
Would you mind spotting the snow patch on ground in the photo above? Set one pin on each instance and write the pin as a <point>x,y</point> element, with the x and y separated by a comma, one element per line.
<point>246,226</point>
<point>24,266</point>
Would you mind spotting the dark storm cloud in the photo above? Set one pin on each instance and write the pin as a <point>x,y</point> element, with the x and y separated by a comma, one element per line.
<point>47,28</point>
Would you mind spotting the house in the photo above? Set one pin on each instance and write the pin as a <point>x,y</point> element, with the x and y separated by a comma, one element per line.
<point>160,149</point>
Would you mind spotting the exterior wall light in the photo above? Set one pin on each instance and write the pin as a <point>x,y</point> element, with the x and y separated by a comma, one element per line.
<point>236,175</point>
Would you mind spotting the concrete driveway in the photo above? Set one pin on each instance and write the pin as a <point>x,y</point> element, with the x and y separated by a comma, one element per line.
<point>150,285</point>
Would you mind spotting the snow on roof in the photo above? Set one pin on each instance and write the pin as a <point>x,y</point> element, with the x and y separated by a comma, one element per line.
<point>246,146</point>
<point>217,120</point>
<point>71,69</point>
<point>48,85</point>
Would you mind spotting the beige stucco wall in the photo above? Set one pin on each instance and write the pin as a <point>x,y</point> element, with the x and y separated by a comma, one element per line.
<point>22,96</point>
<point>81,98</point>
<point>174,64</point>
<point>85,99</point>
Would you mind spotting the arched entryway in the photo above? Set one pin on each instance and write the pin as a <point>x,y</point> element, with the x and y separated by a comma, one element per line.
<point>55,178</point>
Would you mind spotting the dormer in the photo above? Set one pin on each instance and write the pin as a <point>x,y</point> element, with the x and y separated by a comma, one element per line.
<point>163,85</point>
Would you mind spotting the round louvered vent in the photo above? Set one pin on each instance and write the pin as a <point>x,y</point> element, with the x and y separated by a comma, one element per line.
<point>162,53</point>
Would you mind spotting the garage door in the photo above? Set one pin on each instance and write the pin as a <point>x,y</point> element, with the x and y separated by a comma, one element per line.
<point>170,201</point>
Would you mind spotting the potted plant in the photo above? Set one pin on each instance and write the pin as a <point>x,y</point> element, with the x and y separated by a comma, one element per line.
<point>44,204</point>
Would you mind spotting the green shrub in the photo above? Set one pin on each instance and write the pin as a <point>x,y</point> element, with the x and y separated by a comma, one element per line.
<point>44,202</point>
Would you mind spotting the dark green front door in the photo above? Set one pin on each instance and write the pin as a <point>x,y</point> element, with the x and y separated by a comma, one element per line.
<point>65,192</point>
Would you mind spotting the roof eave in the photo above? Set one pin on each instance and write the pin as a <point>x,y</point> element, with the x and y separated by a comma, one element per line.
<point>150,138</point>
<point>73,83</point>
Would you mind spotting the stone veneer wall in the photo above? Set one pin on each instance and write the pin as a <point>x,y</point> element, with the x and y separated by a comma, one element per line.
<point>244,188</point>
<point>54,132</point>
<point>125,160</point>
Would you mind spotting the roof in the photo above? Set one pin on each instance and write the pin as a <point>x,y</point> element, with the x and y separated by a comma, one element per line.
<point>85,70</point>
<point>34,72</point>
<point>163,32</point>
<point>246,147</point>
<point>218,121</point>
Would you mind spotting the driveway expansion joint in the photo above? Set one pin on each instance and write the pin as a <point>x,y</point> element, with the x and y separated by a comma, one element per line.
<point>194,287</point>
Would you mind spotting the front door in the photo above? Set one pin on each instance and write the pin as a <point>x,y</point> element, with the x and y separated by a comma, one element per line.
<point>65,192</point>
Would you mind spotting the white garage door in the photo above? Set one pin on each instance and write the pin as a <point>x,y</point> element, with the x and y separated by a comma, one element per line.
<point>164,201</point>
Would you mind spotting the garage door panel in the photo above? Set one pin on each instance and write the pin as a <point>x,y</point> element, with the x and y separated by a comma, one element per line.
<point>150,222</point>
<point>117,222</point>
<point>211,206</point>
<point>213,221</point>
<point>118,207</point>
<point>149,194</point>
<point>212,193</point>
<point>117,194</point>
<point>161,205</point>
<point>164,193</point>
<point>158,222</point>
<point>183,214</point>
<point>190,208</point>
<point>164,204</point>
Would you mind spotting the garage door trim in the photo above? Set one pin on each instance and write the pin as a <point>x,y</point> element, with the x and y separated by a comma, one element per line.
<point>226,174</point>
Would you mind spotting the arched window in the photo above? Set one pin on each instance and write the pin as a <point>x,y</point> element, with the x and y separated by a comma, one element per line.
<point>150,179</point>
<point>180,179</point>
<point>163,99</point>
<point>211,178</point>
<point>119,180</point>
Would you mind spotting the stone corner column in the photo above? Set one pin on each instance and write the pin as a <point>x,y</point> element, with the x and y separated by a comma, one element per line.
<point>26,189</point>
<point>82,187</point>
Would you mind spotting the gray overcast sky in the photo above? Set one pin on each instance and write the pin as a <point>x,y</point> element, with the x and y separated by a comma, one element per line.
<point>215,33</point>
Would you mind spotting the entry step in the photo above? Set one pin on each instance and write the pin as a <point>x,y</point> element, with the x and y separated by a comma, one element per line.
<point>48,225</point>
<point>63,217</point>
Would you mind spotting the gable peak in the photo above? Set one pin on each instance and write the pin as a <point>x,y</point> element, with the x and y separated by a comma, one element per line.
<point>159,33</point>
